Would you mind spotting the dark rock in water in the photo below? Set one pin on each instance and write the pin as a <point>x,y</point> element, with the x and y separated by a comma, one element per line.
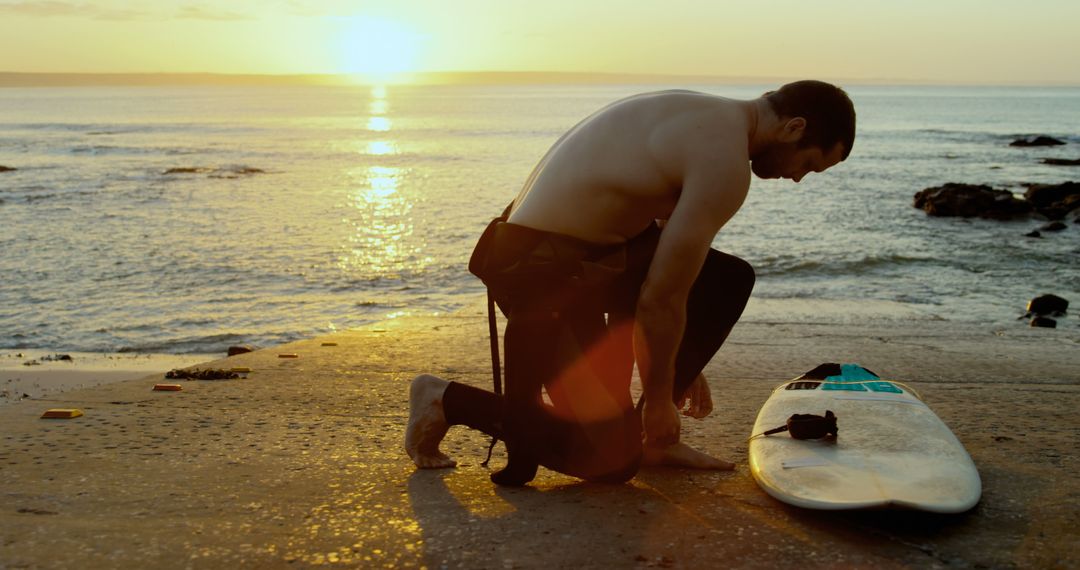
<point>1045,322</point>
<point>1048,305</point>
<point>234,350</point>
<point>970,200</point>
<point>1061,161</point>
<point>1055,201</point>
<point>184,170</point>
<point>233,173</point>
<point>6,168</point>
<point>1033,234</point>
<point>1041,140</point>
<point>1053,227</point>
<point>1046,194</point>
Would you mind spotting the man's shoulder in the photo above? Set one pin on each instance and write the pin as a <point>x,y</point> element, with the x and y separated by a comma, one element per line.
<point>664,103</point>
<point>715,134</point>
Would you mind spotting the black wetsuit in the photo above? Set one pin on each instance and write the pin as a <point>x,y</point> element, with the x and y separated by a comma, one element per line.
<point>569,306</point>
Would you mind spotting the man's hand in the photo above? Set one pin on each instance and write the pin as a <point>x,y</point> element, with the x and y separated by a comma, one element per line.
<point>662,423</point>
<point>700,398</point>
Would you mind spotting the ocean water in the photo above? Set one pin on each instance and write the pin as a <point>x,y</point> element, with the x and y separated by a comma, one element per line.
<point>188,219</point>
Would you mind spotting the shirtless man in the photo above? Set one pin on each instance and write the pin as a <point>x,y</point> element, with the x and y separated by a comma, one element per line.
<point>605,259</point>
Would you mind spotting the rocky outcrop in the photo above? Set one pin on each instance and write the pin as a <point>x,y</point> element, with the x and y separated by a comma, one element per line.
<point>1048,305</point>
<point>227,172</point>
<point>242,349</point>
<point>1042,310</point>
<point>1055,201</point>
<point>237,172</point>
<point>1041,140</point>
<point>970,201</point>
<point>7,168</point>
<point>1044,322</point>
<point>1053,227</point>
<point>200,374</point>
<point>1061,161</point>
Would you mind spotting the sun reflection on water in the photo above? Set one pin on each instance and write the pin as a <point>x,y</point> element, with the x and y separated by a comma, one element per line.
<point>382,242</point>
<point>380,148</point>
<point>379,104</point>
<point>383,183</point>
<point>379,124</point>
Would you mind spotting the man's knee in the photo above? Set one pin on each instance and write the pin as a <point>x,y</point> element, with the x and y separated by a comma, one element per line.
<point>621,475</point>
<point>743,273</point>
<point>730,272</point>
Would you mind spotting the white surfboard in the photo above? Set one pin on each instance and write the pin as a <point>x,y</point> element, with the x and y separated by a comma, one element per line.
<point>891,449</point>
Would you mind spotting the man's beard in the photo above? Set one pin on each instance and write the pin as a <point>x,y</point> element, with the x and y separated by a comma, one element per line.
<point>765,166</point>
<point>767,163</point>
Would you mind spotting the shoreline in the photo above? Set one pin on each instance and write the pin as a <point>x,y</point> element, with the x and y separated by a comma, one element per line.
<point>87,369</point>
<point>51,376</point>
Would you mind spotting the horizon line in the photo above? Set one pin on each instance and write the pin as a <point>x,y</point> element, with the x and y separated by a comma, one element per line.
<point>142,78</point>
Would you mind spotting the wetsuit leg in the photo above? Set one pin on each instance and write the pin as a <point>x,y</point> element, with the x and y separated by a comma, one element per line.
<point>473,407</point>
<point>518,417</point>
<point>531,358</point>
<point>598,435</point>
<point>716,302</point>
<point>584,363</point>
<point>591,430</point>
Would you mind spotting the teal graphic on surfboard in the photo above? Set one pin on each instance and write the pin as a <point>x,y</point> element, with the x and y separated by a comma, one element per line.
<point>887,448</point>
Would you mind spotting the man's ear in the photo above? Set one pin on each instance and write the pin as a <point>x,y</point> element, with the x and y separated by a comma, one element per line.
<point>793,130</point>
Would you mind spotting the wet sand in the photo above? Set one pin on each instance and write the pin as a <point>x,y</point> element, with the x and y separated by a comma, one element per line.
<point>39,373</point>
<point>300,464</point>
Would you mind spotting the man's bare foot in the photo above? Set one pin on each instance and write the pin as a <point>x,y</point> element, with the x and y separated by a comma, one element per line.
<point>427,423</point>
<point>682,455</point>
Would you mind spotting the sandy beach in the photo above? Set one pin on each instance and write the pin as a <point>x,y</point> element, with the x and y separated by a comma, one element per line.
<point>300,464</point>
<point>40,373</point>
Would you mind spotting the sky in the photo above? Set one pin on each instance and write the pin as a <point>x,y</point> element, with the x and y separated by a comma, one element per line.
<point>952,41</point>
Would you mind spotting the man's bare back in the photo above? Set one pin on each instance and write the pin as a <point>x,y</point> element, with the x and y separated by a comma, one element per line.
<point>623,167</point>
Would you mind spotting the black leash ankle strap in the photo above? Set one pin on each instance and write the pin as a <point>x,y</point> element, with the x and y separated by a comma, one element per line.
<point>807,426</point>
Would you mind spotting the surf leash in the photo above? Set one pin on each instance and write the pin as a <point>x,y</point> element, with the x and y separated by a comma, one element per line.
<point>806,426</point>
<point>476,267</point>
<point>493,338</point>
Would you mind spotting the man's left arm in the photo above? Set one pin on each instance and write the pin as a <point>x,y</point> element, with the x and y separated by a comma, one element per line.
<point>714,187</point>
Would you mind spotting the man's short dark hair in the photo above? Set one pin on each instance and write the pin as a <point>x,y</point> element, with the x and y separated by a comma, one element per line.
<point>829,113</point>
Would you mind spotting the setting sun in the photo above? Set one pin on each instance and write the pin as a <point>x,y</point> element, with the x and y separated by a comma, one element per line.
<point>377,48</point>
